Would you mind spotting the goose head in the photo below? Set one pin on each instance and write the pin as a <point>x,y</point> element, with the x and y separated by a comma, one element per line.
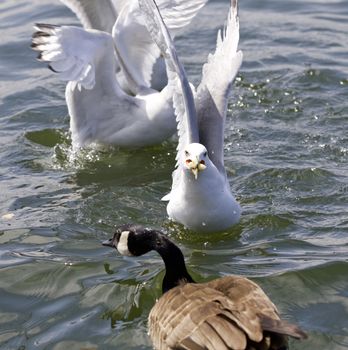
<point>133,240</point>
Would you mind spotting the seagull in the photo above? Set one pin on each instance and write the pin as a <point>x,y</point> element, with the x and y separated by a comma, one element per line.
<point>110,94</point>
<point>229,312</point>
<point>200,197</point>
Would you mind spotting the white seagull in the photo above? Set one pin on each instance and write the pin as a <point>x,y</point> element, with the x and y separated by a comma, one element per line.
<point>109,94</point>
<point>200,197</point>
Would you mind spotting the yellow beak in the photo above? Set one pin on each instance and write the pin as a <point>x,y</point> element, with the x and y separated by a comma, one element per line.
<point>196,167</point>
<point>195,172</point>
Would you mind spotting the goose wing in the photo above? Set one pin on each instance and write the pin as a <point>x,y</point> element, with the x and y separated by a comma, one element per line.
<point>252,302</point>
<point>215,87</point>
<point>194,316</point>
<point>227,313</point>
<point>94,14</point>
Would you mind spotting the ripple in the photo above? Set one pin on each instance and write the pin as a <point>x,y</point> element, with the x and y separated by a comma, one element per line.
<point>286,157</point>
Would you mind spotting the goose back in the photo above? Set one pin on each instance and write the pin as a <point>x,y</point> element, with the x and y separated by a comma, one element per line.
<point>227,313</point>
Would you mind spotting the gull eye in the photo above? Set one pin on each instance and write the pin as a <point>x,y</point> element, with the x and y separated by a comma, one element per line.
<point>202,162</point>
<point>188,161</point>
<point>187,154</point>
<point>205,154</point>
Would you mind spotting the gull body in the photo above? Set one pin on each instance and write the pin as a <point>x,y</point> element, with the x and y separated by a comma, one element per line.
<point>204,203</point>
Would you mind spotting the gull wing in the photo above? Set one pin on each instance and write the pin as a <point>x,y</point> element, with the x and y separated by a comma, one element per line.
<point>183,96</point>
<point>72,52</point>
<point>100,111</point>
<point>96,14</point>
<point>179,13</point>
<point>215,87</point>
<point>136,51</point>
<point>139,58</point>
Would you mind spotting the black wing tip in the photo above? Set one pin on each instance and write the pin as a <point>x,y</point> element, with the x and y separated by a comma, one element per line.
<point>46,26</point>
<point>40,33</point>
<point>52,69</point>
<point>34,46</point>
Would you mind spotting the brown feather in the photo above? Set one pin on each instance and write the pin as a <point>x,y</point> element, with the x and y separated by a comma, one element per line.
<point>227,313</point>
<point>282,327</point>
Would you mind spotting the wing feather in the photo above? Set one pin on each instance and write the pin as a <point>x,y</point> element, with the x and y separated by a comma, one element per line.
<point>228,313</point>
<point>100,14</point>
<point>72,52</point>
<point>183,96</point>
<point>140,58</point>
<point>215,87</point>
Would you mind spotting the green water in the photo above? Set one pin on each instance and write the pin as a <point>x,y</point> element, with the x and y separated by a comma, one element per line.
<point>287,161</point>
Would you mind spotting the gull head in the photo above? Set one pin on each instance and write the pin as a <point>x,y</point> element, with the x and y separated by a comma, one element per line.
<point>195,158</point>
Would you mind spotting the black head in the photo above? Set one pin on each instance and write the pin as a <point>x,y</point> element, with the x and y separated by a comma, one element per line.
<point>135,240</point>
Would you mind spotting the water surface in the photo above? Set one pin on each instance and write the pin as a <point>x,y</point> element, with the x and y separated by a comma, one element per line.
<point>287,160</point>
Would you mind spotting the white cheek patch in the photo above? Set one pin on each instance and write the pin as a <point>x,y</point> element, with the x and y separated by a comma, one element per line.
<point>122,245</point>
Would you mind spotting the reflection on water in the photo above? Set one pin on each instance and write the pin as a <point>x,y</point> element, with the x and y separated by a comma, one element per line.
<point>286,157</point>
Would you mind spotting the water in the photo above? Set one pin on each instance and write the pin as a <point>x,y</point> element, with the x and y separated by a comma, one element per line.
<point>287,161</point>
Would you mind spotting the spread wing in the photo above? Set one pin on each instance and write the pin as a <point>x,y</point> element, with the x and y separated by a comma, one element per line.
<point>73,52</point>
<point>215,87</point>
<point>183,96</point>
<point>136,51</point>
<point>100,14</point>
<point>178,13</point>
<point>100,111</point>
<point>139,58</point>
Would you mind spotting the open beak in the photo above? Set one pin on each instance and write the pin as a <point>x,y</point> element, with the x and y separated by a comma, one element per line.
<point>195,172</point>
<point>196,167</point>
<point>108,243</point>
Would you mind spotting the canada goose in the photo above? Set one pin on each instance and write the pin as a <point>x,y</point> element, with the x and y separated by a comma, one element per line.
<point>200,197</point>
<point>120,109</point>
<point>231,312</point>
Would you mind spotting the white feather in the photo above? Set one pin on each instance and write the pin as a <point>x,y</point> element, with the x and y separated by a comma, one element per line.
<point>202,203</point>
<point>122,245</point>
<point>95,64</point>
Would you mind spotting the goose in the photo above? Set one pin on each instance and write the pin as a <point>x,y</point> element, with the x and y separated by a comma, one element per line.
<point>109,94</point>
<point>230,312</point>
<point>200,197</point>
